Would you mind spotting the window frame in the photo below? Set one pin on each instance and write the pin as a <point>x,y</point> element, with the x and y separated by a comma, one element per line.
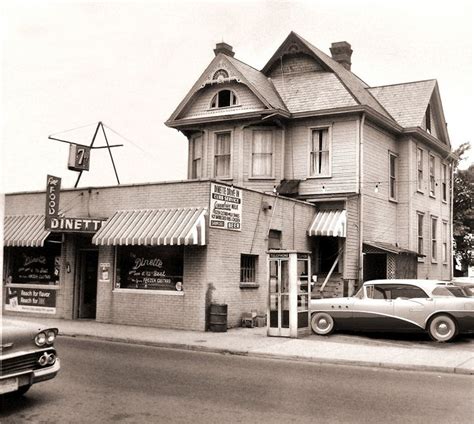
<point>311,130</point>
<point>432,174</point>
<point>262,177</point>
<point>233,95</point>
<point>444,182</point>
<point>434,238</point>
<point>420,247</point>
<point>251,280</point>
<point>393,195</point>
<point>214,144</point>
<point>445,250</point>
<point>193,157</point>
<point>419,169</point>
<point>428,122</point>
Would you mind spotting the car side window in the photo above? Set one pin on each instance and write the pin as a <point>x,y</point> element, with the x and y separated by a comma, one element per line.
<point>408,292</point>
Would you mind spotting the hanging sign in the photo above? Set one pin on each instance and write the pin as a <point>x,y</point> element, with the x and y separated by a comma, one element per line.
<point>79,157</point>
<point>225,207</point>
<point>53,187</point>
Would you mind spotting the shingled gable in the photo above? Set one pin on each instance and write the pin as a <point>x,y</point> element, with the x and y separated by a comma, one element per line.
<point>408,102</point>
<point>253,79</point>
<point>353,84</point>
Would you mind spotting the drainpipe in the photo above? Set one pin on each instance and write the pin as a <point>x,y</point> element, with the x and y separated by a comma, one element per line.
<point>361,202</point>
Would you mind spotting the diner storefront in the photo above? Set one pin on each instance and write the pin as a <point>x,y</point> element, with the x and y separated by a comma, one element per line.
<point>161,255</point>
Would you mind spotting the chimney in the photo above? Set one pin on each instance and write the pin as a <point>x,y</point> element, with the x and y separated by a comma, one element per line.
<point>341,52</point>
<point>224,48</point>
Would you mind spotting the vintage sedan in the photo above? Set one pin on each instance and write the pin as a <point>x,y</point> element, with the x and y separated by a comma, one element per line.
<point>27,355</point>
<point>440,308</point>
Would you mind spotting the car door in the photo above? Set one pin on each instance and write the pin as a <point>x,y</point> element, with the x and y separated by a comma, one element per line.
<point>374,311</point>
<point>411,306</point>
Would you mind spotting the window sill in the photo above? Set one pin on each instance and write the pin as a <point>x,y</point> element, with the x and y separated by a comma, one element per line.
<point>434,261</point>
<point>393,200</point>
<point>249,285</point>
<point>421,260</point>
<point>317,177</point>
<point>33,286</point>
<point>223,178</point>
<point>224,108</point>
<point>445,202</point>
<point>261,178</point>
<point>420,191</point>
<point>149,291</point>
<point>432,196</point>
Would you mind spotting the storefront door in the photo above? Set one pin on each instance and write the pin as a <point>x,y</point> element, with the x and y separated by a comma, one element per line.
<point>87,288</point>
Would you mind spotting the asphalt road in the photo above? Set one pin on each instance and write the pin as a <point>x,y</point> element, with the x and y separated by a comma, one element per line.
<point>103,382</point>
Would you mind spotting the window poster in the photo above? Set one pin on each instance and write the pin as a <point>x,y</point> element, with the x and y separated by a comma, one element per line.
<point>30,300</point>
<point>150,268</point>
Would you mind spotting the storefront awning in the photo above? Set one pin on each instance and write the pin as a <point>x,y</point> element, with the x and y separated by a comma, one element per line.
<point>154,227</point>
<point>24,231</point>
<point>329,222</point>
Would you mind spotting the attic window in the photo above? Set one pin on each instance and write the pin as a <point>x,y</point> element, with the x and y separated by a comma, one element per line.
<point>224,98</point>
<point>428,119</point>
<point>294,48</point>
<point>220,75</point>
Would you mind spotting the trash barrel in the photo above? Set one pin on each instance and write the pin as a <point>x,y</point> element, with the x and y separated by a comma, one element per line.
<point>218,318</point>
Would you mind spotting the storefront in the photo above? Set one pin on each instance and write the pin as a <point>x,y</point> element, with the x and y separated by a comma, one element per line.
<point>160,256</point>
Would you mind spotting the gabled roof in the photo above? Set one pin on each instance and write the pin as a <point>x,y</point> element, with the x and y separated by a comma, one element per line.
<point>253,79</point>
<point>354,85</point>
<point>406,102</point>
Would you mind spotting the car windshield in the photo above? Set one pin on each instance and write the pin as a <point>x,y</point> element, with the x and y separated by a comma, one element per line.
<point>452,291</point>
<point>359,294</point>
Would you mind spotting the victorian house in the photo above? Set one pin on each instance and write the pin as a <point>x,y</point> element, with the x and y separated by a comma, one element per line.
<point>374,161</point>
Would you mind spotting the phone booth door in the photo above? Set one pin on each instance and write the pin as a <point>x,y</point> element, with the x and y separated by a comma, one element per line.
<point>279,307</point>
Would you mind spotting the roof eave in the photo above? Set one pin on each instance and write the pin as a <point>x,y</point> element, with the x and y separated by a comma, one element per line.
<point>422,135</point>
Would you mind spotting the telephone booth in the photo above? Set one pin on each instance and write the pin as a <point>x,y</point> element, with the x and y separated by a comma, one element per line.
<point>289,293</point>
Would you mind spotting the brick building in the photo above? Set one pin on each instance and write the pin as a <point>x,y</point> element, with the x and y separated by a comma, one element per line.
<point>317,160</point>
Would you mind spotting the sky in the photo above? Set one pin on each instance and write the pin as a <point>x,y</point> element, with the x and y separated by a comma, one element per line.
<point>65,65</point>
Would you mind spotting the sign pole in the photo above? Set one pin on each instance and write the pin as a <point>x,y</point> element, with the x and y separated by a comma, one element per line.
<point>93,139</point>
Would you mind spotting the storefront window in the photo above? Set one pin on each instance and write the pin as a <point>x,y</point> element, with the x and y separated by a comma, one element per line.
<point>34,265</point>
<point>150,268</point>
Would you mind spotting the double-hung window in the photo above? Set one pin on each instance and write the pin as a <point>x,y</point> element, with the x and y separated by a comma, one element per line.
<point>420,218</point>
<point>196,157</point>
<point>444,183</point>
<point>393,176</point>
<point>262,153</point>
<point>222,155</point>
<point>445,242</point>
<point>419,165</point>
<point>432,175</point>
<point>320,154</point>
<point>434,240</point>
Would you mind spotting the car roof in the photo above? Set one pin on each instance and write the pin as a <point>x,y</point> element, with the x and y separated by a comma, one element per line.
<point>427,284</point>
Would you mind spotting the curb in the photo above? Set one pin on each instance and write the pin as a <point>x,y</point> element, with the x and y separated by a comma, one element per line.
<point>299,358</point>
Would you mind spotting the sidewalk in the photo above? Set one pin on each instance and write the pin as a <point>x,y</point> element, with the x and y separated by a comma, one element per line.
<point>336,349</point>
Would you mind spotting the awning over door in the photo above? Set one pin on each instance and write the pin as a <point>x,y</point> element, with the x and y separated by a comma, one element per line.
<point>329,222</point>
<point>24,231</point>
<point>154,227</point>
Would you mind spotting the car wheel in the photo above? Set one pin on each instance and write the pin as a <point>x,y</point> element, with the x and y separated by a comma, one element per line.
<point>442,328</point>
<point>322,323</point>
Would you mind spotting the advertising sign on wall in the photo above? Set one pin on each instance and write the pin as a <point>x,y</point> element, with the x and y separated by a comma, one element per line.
<point>31,300</point>
<point>225,207</point>
<point>53,188</point>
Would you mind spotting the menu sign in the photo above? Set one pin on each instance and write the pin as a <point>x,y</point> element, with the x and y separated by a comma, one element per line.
<point>226,207</point>
<point>31,300</point>
<point>151,268</point>
<point>36,266</point>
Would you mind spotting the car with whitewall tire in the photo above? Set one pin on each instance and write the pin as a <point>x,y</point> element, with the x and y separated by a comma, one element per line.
<point>439,308</point>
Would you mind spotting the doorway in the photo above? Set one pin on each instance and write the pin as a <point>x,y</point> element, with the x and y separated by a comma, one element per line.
<point>87,288</point>
<point>375,266</point>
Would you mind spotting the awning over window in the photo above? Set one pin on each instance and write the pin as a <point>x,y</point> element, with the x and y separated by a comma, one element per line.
<point>329,222</point>
<point>154,227</point>
<point>370,246</point>
<point>24,231</point>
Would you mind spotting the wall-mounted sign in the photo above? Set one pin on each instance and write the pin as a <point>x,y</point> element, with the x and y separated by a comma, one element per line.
<point>31,300</point>
<point>104,271</point>
<point>53,187</point>
<point>79,157</point>
<point>225,207</point>
<point>73,225</point>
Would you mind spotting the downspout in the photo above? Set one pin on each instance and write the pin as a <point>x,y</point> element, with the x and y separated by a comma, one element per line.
<point>451,224</point>
<point>361,202</point>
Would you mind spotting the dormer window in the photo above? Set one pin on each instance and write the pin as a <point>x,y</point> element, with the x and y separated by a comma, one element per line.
<point>224,98</point>
<point>428,119</point>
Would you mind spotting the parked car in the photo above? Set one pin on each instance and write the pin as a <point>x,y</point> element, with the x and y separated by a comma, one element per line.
<point>27,355</point>
<point>440,308</point>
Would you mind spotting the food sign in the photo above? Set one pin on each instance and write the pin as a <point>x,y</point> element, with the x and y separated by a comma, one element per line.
<point>225,207</point>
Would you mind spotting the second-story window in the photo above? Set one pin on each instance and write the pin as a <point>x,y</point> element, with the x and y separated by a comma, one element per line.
<point>222,155</point>
<point>419,166</point>
<point>444,182</point>
<point>445,242</point>
<point>319,155</point>
<point>432,175</point>
<point>393,176</point>
<point>224,98</point>
<point>434,239</point>
<point>262,153</point>
<point>420,233</point>
<point>196,157</point>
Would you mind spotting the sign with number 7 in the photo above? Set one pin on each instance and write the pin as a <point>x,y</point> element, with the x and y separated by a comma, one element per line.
<point>79,157</point>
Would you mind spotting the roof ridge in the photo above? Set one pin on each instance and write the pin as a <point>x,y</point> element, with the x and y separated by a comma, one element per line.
<point>404,83</point>
<point>244,63</point>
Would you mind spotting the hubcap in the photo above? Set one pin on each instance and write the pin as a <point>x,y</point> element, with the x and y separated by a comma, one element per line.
<point>443,328</point>
<point>323,323</point>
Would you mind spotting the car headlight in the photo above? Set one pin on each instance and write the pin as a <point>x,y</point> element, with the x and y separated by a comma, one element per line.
<point>40,339</point>
<point>50,336</point>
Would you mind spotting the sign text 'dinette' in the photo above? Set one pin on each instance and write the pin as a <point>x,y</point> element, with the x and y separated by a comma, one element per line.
<point>82,225</point>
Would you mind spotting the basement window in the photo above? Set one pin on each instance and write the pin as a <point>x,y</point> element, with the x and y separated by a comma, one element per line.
<point>224,98</point>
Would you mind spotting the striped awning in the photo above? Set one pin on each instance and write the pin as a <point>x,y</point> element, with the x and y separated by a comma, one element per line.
<point>24,231</point>
<point>329,223</point>
<point>154,227</point>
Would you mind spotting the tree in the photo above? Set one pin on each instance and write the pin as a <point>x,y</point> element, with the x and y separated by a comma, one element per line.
<point>463,210</point>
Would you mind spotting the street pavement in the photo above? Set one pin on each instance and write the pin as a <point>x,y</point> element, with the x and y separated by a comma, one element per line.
<point>402,352</point>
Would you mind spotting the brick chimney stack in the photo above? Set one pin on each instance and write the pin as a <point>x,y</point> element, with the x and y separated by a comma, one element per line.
<point>341,52</point>
<point>224,48</point>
